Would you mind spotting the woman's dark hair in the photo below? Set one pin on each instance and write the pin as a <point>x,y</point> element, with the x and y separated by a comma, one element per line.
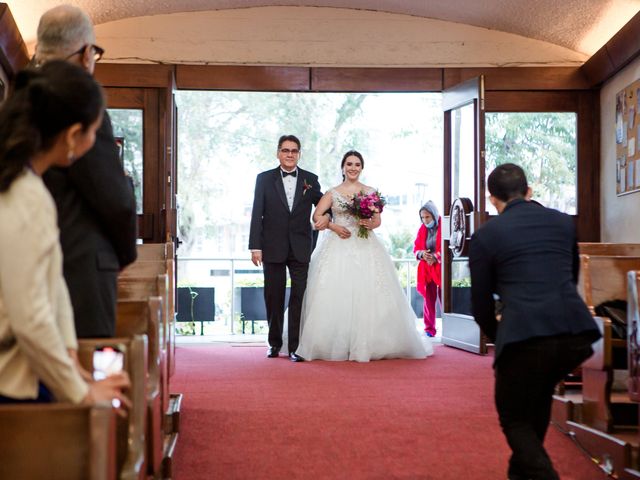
<point>350,153</point>
<point>44,102</point>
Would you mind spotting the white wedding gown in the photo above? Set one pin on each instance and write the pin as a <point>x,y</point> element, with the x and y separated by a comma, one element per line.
<point>354,307</point>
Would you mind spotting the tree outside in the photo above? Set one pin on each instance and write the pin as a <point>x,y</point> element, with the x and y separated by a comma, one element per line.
<point>545,146</point>
<point>227,138</point>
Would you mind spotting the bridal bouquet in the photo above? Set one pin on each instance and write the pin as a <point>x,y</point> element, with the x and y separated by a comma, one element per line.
<point>363,206</point>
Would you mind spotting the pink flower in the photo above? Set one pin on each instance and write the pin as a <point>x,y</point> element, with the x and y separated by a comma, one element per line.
<point>364,206</point>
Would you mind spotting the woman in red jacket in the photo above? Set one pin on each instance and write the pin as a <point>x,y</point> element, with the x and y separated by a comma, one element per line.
<point>428,251</point>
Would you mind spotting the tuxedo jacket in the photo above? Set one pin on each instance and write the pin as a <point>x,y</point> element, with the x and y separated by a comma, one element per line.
<point>98,229</point>
<point>528,257</point>
<point>275,229</point>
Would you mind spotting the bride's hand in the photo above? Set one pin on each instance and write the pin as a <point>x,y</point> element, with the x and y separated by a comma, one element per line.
<point>339,230</point>
<point>370,223</point>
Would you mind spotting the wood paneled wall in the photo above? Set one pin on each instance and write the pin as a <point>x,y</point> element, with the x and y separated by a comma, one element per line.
<point>13,51</point>
<point>616,54</point>
<point>515,89</point>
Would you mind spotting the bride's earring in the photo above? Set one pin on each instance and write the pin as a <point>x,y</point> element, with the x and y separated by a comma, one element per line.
<point>70,155</point>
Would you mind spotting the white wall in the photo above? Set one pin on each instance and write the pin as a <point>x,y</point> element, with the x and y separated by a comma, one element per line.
<point>619,216</point>
<point>315,36</point>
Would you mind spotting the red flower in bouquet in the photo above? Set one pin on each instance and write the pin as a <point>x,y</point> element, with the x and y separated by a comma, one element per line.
<point>364,206</point>
<point>306,186</point>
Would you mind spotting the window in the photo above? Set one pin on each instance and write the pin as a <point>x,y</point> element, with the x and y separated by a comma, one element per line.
<point>544,144</point>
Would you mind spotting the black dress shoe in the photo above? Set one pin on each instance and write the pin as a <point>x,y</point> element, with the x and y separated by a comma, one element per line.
<point>295,358</point>
<point>273,352</point>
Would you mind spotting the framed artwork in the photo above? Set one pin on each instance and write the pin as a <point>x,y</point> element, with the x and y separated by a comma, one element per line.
<point>627,123</point>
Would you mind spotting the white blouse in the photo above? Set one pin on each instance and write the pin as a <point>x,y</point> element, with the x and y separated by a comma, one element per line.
<point>36,318</point>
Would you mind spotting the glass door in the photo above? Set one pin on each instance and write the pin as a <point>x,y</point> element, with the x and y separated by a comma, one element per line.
<point>464,201</point>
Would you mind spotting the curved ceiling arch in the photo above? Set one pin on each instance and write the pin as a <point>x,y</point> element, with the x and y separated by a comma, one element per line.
<point>579,25</point>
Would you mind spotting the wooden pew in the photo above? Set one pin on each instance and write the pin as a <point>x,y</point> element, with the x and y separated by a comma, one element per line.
<point>57,442</point>
<point>143,317</point>
<point>130,441</point>
<point>609,249</point>
<point>148,268</point>
<point>633,333</point>
<point>154,251</point>
<point>131,435</point>
<point>604,278</point>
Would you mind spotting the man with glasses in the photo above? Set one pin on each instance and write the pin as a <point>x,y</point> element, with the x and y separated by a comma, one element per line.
<point>281,237</point>
<point>95,200</point>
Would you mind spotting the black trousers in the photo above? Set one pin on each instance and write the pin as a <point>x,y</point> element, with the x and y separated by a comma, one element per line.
<point>275,283</point>
<point>526,374</point>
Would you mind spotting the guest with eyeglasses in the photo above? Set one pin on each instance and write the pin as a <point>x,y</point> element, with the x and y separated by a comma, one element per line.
<point>281,238</point>
<point>95,199</point>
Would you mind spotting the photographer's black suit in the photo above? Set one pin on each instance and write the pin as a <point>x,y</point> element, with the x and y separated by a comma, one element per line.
<point>528,255</point>
<point>286,240</point>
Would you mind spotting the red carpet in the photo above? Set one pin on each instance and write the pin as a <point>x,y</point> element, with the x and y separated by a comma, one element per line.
<point>248,417</point>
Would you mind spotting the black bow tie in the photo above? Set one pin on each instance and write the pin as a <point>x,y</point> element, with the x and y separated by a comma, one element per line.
<point>293,174</point>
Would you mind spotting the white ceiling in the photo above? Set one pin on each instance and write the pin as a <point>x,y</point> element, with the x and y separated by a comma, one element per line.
<point>579,25</point>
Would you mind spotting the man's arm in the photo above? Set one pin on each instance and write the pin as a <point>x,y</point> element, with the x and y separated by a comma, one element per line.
<point>255,231</point>
<point>100,179</point>
<point>322,222</point>
<point>482,289</point>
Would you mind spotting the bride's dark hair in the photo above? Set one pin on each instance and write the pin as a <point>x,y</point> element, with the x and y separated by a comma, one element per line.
<point>350,153</point>
<point>44,102</point>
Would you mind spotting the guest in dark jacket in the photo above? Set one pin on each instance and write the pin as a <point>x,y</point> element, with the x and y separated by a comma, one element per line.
<point>527,257</point>
<point>95,200</point>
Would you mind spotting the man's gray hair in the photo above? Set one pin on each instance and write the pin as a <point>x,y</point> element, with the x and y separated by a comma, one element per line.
<point>62,30</point>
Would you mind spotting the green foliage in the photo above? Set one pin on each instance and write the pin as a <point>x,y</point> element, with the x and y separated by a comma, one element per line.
<point>461,283</point>
<point>400,244</point>
<point>127,123</point>
<point>543,144</point>
<point>219,128</point>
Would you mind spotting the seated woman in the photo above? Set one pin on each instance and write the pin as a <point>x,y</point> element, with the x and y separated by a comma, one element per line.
<point>50,119</point>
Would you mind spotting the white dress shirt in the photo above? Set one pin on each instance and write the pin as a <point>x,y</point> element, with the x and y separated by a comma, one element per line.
<point>289,183</point>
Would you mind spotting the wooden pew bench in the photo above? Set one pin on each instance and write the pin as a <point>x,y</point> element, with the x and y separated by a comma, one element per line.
<point>57,442</point>
<point>609,249</point>
<point>141,288</point>
<point>604,278</point>
<point>150,268</point>
<point>130,431</point>
<point>143,317</point>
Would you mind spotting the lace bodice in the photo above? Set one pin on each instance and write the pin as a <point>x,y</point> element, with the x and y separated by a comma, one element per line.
<point>340,214</point>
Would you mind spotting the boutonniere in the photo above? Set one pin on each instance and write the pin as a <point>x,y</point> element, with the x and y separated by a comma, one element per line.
<point>305,186</point>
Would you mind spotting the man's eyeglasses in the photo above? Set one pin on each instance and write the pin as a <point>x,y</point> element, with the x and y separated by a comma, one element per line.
<point>98,52</point>
<point>287,151</point>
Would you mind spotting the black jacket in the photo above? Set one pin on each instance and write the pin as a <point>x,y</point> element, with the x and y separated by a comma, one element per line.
<point>528,257</point>
<point>275,229</point>
<point>98,229</point>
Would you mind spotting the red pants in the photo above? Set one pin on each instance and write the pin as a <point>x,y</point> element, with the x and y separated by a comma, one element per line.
<point>432,296</point>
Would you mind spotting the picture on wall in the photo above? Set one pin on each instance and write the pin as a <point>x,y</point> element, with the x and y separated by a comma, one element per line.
<point>628,139</point>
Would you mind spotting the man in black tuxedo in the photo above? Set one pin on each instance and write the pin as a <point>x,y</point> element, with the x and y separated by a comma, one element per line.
<point>95,200</point>
<point>528,258</point>
<point>281,237</point>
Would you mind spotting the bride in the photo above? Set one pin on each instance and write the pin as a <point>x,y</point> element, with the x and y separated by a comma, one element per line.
<point>354,307</point>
